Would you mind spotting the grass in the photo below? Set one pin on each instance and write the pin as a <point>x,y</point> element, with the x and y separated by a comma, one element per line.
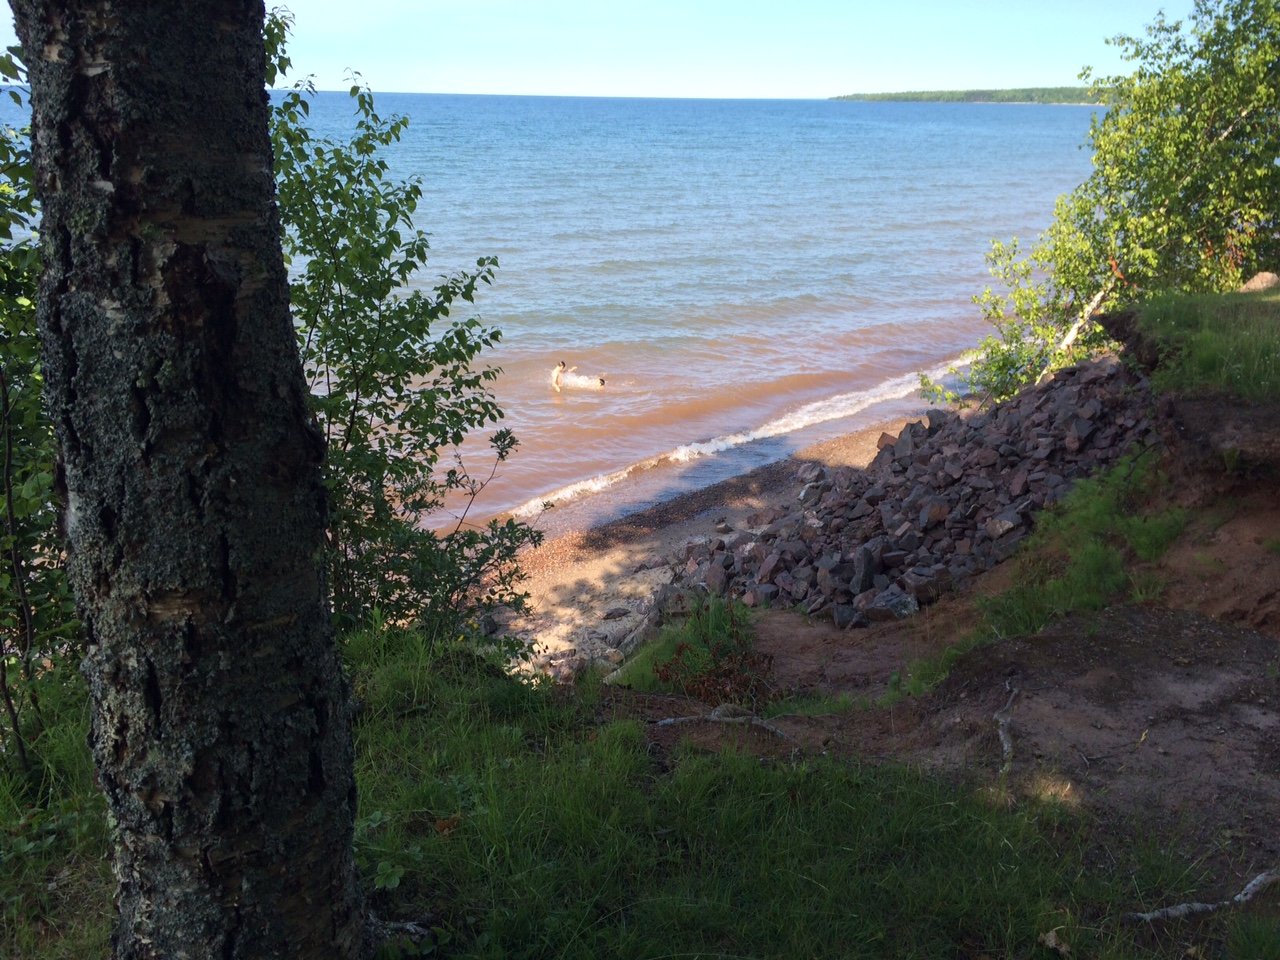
<point>530,830</point>
<point>710,655</point>
<point>1085,553</point>
<point>527,828</point>
<point>813,705</point>
<point>55,882</point>
<point>1227,343</point>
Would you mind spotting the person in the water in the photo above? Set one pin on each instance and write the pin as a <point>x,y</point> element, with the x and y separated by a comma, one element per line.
<point>562,376</point>
<point>557,375</point>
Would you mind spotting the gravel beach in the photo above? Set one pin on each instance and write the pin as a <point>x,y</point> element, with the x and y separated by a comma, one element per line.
<point>589,589</point>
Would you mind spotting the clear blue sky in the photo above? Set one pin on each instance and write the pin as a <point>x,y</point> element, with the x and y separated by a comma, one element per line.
<point>709,48</point>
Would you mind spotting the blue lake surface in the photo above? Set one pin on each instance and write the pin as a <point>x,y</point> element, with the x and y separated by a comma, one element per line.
<point>747,276</point>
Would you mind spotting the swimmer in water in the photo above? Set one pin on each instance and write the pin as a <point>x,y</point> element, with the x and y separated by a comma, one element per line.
<point>557,375</point>
<point>563,376</point>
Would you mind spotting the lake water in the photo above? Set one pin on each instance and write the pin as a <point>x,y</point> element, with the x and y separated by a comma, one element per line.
<point>747,276</point>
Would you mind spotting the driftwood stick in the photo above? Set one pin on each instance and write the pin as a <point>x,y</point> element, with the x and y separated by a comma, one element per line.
<point>418,931</point>
<point>1251,889</point>
<point>1003,717</point>
<point>728,713</point>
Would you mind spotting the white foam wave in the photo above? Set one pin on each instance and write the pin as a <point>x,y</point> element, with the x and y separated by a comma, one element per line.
<point>820,411</point>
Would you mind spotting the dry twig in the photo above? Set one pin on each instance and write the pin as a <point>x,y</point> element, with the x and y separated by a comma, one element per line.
<point>1252,889</point>
<point>728,713</point>
<point>1002,718</point>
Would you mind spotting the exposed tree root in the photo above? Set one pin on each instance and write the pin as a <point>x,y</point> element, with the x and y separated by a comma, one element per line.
<point>1003,717</point>
<point>1252,889</point>
<point>728,713</point>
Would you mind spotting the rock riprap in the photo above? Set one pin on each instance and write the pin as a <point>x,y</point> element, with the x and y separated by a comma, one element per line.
<point>948,497</point>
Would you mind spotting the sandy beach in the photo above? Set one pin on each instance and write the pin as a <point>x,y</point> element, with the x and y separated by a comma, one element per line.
<point>589,589</point>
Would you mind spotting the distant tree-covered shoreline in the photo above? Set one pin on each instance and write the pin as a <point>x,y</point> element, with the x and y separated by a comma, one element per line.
<point>1015,95</point>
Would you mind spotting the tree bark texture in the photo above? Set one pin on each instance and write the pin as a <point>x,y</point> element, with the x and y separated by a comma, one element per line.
<point>194,504</point>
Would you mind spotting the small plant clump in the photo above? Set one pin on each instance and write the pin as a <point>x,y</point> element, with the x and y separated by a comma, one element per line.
<point>716,661</point>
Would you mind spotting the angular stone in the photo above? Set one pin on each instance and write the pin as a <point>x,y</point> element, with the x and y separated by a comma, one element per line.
<point>889,516</point>
<point>762,518</point>
<point>617,613</point>
<point>865,567</point>
<point>934,511</point>
<point>905,446</point>
<point>892,603</point>
<point>835,578</point>
<point>784,527</point>
<point>936,420</point>
<point>811,492</point>
<point>1089,410</point>
<point>1263,280</point>
<point>985,457</point>
<point>1004,548</point>
<point>717,579</point>
<point>892,558</point>
<point>927,586</point>
<point>1001,524</point>
<point>770,568</point>
<point>795,549</point>
<point>846,615</point>
<point>698,548</point>
<point>810,472</point>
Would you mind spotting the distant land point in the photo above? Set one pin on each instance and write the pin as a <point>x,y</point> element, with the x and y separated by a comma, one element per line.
<point>1015,95</point>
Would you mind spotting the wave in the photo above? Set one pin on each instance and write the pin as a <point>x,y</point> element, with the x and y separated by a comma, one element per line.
<point>811,414</point>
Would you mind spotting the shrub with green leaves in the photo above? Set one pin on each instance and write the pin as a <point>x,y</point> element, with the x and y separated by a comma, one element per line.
<point>1183,195</point>
<point>393,378</point>
<point>37,619</point>
<point>393,373</point>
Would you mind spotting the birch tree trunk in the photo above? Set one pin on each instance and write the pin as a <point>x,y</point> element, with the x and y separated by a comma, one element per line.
<point>194,506</point>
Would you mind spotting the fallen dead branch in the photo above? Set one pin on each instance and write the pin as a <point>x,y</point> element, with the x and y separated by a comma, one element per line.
<point>1003,718</point>
<point>1252,889</point>
<point>728,713</point>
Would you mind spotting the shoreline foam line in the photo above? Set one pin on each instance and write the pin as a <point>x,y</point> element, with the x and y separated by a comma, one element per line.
<point>811,414</point>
